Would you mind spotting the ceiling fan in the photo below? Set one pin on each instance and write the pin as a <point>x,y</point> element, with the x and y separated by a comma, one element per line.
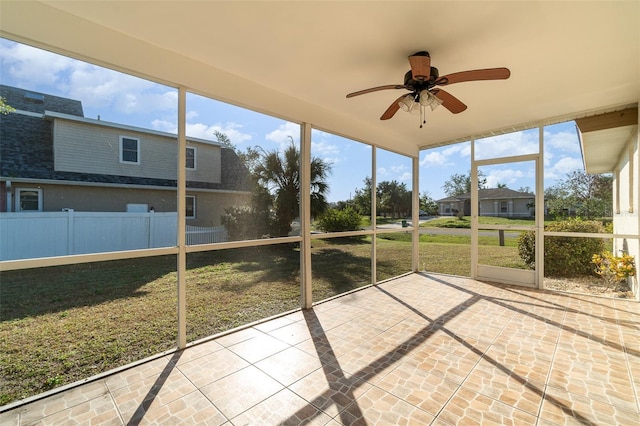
<point>421,80</point>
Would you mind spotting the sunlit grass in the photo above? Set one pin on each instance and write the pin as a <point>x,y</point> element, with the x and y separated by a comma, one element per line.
<point>465,222</point>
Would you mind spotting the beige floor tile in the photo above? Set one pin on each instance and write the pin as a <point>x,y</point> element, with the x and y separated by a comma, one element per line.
<point>561,407</point>
<point>194,352</point>
<point>192,409</point>
<point>238,336</point>
<point>97,411</point>
<point>292,333</point>
<point>444,364</point>
<point>283,408</point>
<point>377,407</point>
<point>369,362</point>
<point>259,347</point>
<point>289,365</point>
<point>275,323</point>
<point>62,402</point>
<point>422,389</point>
<point>330,389</point>
<point>238,392</point>
<point>10,417</point>
<point>500,383</point>
<point>138,373</point>
<point>468,407</point>
<point>212,367</point>
<point>327,350</point>
<point>135,400</point>
<point>594,380</point>
<point>530,367</point>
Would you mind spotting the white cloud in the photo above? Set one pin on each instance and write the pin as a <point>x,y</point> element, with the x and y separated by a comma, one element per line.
<point>560,168</point>
<point>329,153</point>
<point>398,173</point>
<point>97,87</point>
<point>444,157</point>
<point>503,176</point>
<point>435,158</point>
<point>206,131</point>
<point>284,133</point>
<point>517,143</point>
<point>31,67</point>
<point>562,141</point>
<point>164,126</point>
<point>405,177</point>
<point>464,149</point>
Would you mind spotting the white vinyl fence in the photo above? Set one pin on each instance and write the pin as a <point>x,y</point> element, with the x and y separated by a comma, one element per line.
<point>44,234</point>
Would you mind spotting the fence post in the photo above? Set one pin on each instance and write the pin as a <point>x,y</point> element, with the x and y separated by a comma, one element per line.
<point>152,229</point>
<point>501,237</point>
<point>70,232</point>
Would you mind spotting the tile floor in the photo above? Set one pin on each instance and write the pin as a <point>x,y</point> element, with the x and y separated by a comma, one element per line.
<point>421,349</point>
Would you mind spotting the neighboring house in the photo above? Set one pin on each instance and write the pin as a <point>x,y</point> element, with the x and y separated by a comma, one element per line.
<point>502,202</point>
<point>54,158</point>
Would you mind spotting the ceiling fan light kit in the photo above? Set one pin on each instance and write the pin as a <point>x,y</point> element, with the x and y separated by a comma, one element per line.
<point>422,80</point>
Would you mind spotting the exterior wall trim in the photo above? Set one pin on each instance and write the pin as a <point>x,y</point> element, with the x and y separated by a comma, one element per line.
<point>118,185</point>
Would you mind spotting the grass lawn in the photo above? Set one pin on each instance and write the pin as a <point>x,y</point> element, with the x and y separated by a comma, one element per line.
<point>465,222</point>
<point>65,323</point>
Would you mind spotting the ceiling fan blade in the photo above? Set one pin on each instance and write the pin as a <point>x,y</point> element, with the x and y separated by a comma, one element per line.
<point>449,101</point>
<point>393,108</point>
<point>375,89</point>
<point>474,75</point>
<point>420,66</point>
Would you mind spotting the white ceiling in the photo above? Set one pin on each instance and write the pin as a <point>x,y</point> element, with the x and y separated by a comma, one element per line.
<point>298,60</point>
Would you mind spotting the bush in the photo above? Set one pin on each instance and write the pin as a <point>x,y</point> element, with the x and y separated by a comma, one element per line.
<point>245,223</point>
<point>335,220</point>
<point>614,269</point>
<point>564,256</point>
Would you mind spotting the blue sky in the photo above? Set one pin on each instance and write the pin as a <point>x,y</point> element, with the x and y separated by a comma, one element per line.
<point>125,99</point>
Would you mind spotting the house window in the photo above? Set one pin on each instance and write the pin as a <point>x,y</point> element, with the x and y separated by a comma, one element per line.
<point>191,207</point>
<point>503,207</point>
<point>129,150</point>
<point>28,200</point>
<point>191,158</point>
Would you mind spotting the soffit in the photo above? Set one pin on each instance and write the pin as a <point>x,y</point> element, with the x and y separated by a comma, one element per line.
<point>604,137</point>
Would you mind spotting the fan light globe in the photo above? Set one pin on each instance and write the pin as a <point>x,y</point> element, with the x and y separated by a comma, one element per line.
<point>406,103</point>
<point>425,98</point>
<point>429,99</point>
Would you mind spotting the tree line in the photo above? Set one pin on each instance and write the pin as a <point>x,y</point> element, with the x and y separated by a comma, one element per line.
<point>579,194</point>
<point>274,182</point>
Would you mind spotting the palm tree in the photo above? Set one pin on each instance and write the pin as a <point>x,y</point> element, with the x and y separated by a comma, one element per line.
<point>280,174</point>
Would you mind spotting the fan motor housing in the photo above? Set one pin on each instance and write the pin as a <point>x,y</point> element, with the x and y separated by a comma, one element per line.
<point>416,85</point>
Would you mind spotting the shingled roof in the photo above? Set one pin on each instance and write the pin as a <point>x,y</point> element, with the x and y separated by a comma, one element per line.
<point>27,100</point>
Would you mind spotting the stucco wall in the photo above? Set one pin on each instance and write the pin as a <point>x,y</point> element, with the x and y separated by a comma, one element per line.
<point>627,197</point>
<point>515,208</point>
